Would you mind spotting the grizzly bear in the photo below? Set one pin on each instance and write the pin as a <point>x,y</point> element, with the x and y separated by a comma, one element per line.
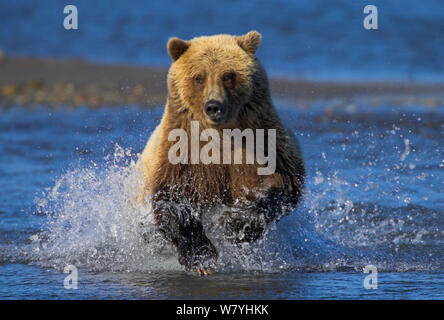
<point>218,82</point>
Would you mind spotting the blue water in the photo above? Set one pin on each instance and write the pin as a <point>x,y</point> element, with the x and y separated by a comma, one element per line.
<point>375,170</point>
<point>312,39</point>
<point>373,196</point>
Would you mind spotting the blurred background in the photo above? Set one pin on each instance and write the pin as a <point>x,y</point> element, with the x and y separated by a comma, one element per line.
<point>310,39</point>
<point>366,106</point>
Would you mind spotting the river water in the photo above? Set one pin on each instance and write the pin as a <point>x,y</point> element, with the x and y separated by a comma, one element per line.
<point>374,196</point>
<point>312,39</point>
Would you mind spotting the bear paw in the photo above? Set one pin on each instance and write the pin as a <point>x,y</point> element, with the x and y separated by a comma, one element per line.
<point>202,259</point>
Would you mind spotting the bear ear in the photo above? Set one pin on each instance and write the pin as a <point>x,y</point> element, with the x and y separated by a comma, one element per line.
<point>177,47</point>
<point>250,41</point>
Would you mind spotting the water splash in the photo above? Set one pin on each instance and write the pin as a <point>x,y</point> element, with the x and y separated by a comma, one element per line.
<point>93,222</point>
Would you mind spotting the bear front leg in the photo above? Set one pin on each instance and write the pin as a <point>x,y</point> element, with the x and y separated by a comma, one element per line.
<point>249,220</point>
<point>195,250</point>
<point>185,231</point>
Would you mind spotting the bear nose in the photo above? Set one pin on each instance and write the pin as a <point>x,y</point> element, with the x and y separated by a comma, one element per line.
<point>213,108</point>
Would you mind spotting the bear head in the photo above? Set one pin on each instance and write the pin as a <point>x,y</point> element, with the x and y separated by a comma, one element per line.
<point>215,77</point>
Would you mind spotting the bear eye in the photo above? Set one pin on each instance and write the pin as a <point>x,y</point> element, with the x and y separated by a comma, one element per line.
<point>199,79</point>
<point>228,77</point>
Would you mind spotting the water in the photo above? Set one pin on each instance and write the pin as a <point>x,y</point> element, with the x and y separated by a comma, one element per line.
<point>373,196</point>
<point>312,39</point>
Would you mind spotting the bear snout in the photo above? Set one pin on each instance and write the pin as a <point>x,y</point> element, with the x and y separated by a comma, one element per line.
<point>215,110</point>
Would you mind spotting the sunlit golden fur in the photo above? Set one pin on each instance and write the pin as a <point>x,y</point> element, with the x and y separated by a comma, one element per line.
<point>225,68</point>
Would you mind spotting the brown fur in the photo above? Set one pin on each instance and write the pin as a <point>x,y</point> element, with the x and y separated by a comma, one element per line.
<point>224,68</point>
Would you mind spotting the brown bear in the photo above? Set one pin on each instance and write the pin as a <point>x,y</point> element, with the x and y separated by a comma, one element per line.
<point>218,82</point>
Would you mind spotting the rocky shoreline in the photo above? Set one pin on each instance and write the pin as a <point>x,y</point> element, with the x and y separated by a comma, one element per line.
<point>28,81</point>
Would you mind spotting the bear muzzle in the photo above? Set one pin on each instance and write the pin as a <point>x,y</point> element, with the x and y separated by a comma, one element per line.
<point>215,110</point>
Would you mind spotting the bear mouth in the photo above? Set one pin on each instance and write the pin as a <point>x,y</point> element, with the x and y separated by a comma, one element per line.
<point>217,120</point>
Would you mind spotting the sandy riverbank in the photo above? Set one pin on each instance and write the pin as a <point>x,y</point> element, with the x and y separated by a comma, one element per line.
<point>74,82</point>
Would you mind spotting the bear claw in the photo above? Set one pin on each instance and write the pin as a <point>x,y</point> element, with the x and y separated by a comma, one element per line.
<point>202,272</point>
<point>206,271</point>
